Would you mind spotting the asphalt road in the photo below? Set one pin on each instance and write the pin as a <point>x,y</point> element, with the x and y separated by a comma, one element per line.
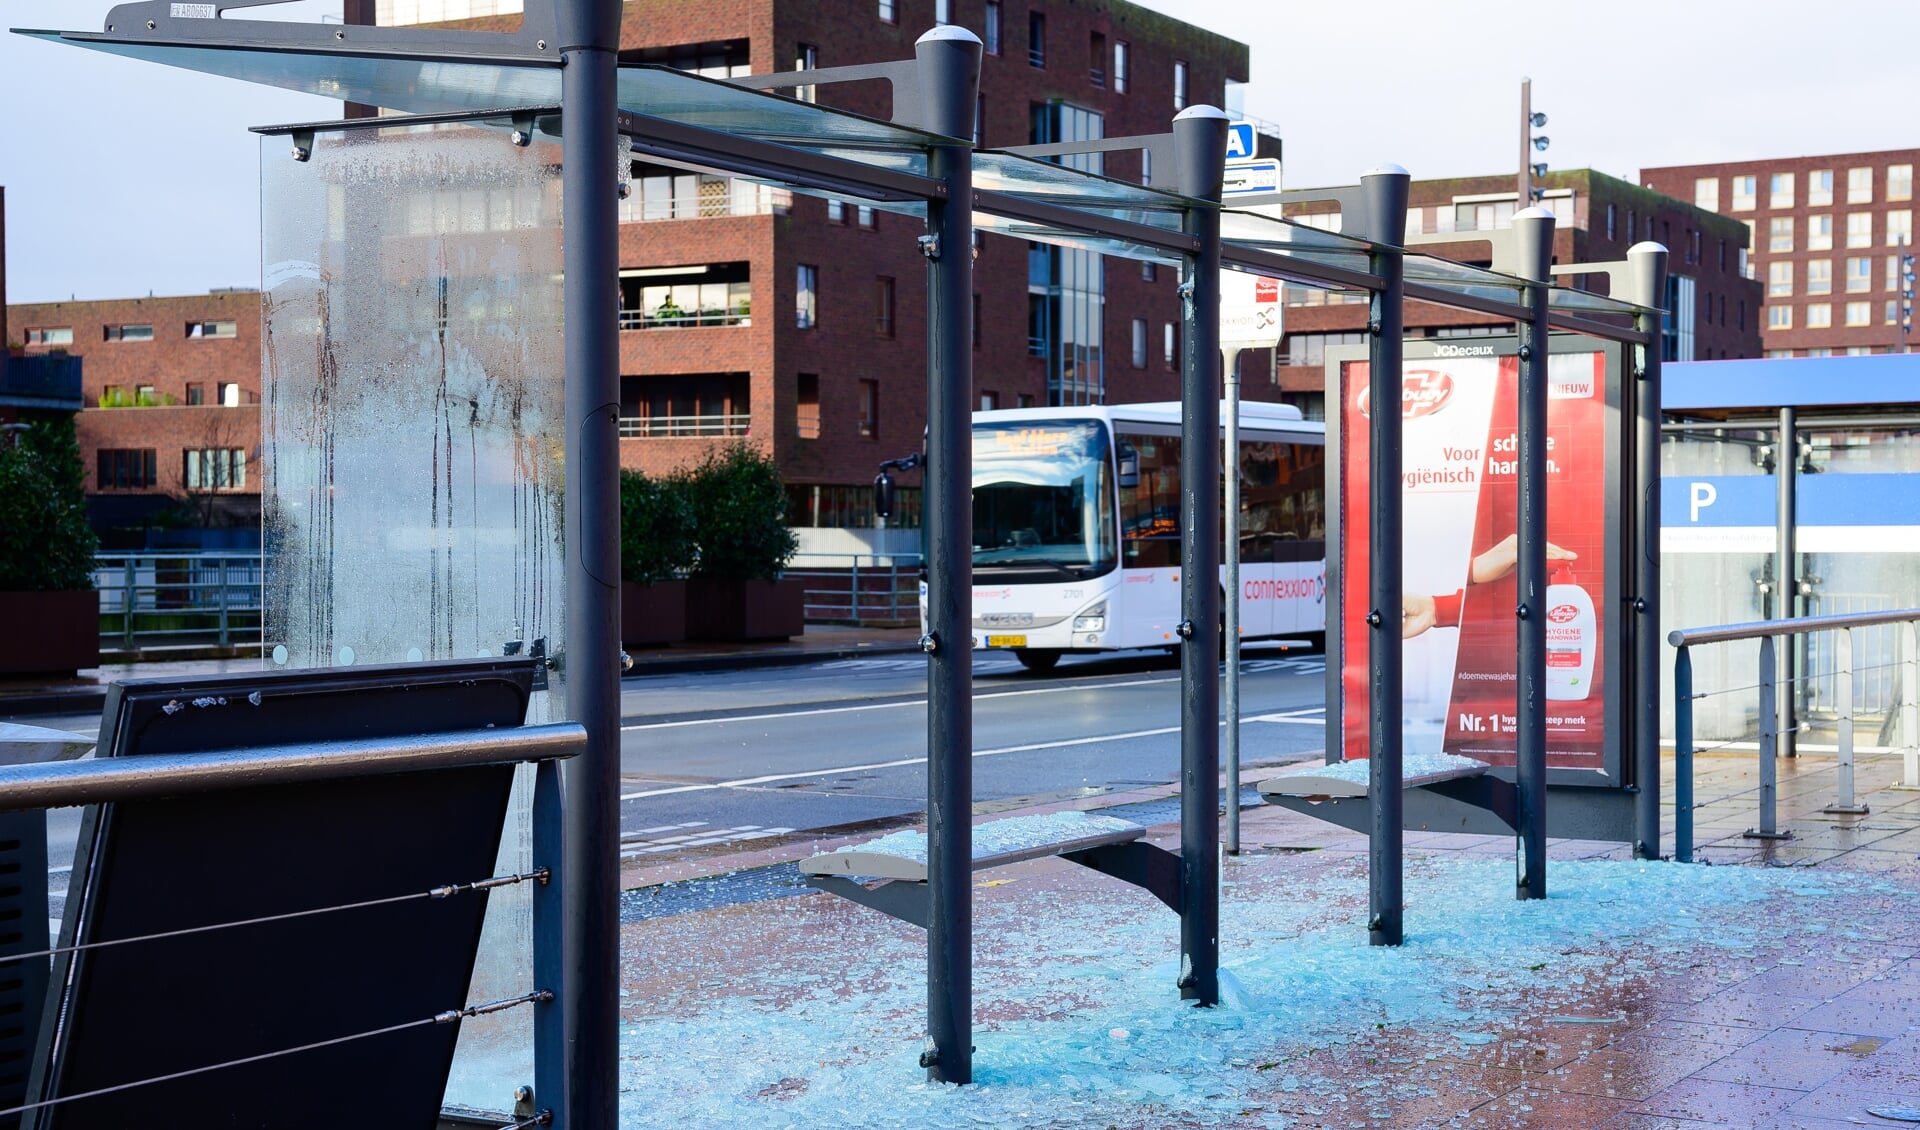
<point>729,757</point>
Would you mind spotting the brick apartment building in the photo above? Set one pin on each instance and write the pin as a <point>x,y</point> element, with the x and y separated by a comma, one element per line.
<point>170,394</point>
<point>798,324</point>
<point>1597,217</point>
<point>1828,234</point>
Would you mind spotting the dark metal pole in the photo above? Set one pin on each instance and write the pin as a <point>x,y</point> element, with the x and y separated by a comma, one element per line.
<point>589,36</point>
<point>1786,461</point>
<point>949,61</point>
<point>1200,155</point>
<point>1647,286</point>
<point>1682,761</point>
<point>1385,189</point>
<point>1533,238</point>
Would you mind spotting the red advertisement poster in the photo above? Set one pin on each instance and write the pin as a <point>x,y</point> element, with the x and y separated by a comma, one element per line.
<point>1460,497</point>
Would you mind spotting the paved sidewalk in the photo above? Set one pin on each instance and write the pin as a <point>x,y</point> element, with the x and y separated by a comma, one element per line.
<point>87,690</point>
<point>1781,991</point>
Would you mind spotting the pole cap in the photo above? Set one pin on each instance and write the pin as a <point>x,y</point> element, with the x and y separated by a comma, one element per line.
<point>1648,247</point>
<point>1534,213</point>
<point>1386,170</point>
<point>1202,111</point>
<point>946,33</point>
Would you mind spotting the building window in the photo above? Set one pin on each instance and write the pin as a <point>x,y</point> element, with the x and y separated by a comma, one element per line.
<point>806,298</point>
<point>1860,350</point>
<point>883,307</point>
<point>1893,313</point>
<point>1819,276</point>
<point>1860,229</point>
<point>1780,280</point>
<point>1744,189</point>
<point>942,11</point>
<point>114,396</point>
<point>976,321</point>
<point>1179,85</point>
<point>124,468</point>
<point>1859,186</point>
<point>869,409</point>
<point>130,332</point>
<point>1121,51</point>
<point>1859,313</point>
<point>196,394</point>
<point>1097,59</point>
<point>888,13</point>
<point>1899,182</point>
<point>1780,317</point>
<point>1820,187</point>
<point>1610,218</point>
<point>1149,272</point>
<point>1820,351</point>
<point>993,27</point>
<point>1723,256</point>
<point>213,329</point>
<point>1859,275</point>
<point>1146,166</point>
<point>836,211</point>
<point>215,468</point>
<point>227,394</point>
<point>865,216</point>
<point>1139,343</point>
<point>1036,39</point>
<point>1706,193</point>
<point>1780,190</point>
<point>989,401</point>
<point>979,127</point>
<point>1780,233</point>
<point>807,417</point>
<point>1820,232</point>
<point>683,297</point>
<point>1819,315</point>
<point>1170,344</point>
<point>1633,222</point>
<point>806,57</point>
<point>679,196</point>
<point>1899,228</point>
<point>50,335</point>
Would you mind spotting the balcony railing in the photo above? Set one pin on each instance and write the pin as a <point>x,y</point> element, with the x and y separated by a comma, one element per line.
<point>684,427</point>
<point>50,380</point>
<point>641,320</point>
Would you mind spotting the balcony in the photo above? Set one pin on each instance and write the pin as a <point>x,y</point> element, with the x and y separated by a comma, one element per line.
<point>685,297</point>
<point>714,426</point>
<point>672,318</point>
<point>46,381</point>
<point>685,406</point>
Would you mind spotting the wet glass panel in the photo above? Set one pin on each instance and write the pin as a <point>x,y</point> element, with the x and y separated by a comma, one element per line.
<point>412,443</point>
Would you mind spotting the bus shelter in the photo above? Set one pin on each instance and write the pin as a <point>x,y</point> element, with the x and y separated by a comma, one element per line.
<point>558,76</point>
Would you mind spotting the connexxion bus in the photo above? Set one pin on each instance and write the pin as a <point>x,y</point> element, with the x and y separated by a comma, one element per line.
<point>1076,528</point>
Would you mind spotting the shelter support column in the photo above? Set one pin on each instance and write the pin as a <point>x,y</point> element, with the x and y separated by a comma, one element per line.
<point>1200,150</point>
<point>589,36</point>
<point>1647,283</point>
<point>1385,190</point>
<point>1533,236</point>
<point>949,65</point>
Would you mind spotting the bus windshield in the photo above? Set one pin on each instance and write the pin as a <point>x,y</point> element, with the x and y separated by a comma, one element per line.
<point>1043,500</point>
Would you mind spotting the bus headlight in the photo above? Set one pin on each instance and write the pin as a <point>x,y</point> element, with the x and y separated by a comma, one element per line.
<point>1092,618</point>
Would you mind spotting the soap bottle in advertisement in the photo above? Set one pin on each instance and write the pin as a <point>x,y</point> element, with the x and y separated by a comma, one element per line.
<point>1572,638</point>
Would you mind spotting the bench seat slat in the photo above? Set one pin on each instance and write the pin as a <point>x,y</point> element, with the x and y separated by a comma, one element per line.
<point>1350,778</point>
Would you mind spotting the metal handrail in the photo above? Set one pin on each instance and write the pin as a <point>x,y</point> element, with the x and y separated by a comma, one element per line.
<point>65,784</point>
<point>1766,632</point>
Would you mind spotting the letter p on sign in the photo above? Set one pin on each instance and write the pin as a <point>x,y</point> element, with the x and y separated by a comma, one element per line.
<point>1702,495</point>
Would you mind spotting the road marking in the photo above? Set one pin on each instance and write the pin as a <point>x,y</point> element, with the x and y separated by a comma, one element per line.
<point>885,705</point>
<point>632,847</point>
<point>748,782</point>
<point>1308,716</point>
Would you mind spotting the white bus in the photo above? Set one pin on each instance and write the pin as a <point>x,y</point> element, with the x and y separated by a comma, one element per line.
<point>1076,528</point>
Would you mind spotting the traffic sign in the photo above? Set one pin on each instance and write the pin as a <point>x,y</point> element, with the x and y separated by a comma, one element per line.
<point>1251,178</point>
<point>1240,142</point>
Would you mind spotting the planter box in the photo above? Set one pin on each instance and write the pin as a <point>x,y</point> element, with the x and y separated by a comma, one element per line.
<point>745,610</point>
<point>653,615</point>
<point>49,633</point>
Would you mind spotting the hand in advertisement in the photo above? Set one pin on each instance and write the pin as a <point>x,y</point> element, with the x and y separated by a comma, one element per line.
<point>1416,614</point>
<point>1501,557</point>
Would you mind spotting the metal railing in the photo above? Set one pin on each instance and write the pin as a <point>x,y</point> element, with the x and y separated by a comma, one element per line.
<point>1767,685</point>
<point>641,320</point>
<point>152,596</point>
<point>860,590</point>
<point>683,427</point>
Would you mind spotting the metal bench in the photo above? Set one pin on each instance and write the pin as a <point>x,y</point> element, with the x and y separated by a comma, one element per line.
<point>899,861</point>
<point>1443,793</point>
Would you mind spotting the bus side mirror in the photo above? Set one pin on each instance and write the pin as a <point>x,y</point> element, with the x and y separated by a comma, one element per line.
<point>883,496</point>
<point>1129,468</point>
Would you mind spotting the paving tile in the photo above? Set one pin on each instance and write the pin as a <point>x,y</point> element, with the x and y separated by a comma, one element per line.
<point>1747,1010</point>
<point>1553,1110</point>
<point>1711,1100</point>
<point>1792,1059</point>
<point>1844,1103</point>
<point>1634,1120</point>
<point>1874,1009</point>
<point>1636,1068</point>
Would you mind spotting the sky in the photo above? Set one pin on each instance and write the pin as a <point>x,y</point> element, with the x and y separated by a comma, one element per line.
<point>125,178</point>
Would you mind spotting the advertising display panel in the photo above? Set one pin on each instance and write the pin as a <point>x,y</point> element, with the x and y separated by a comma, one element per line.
<point>1459,403</point>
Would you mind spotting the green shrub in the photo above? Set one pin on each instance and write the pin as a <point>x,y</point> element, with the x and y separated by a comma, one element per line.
<point>740,516</point>
<point>45,542</point>
<point>656,529</point>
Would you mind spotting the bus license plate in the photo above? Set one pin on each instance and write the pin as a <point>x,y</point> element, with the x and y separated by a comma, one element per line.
<point>1006,641</point>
